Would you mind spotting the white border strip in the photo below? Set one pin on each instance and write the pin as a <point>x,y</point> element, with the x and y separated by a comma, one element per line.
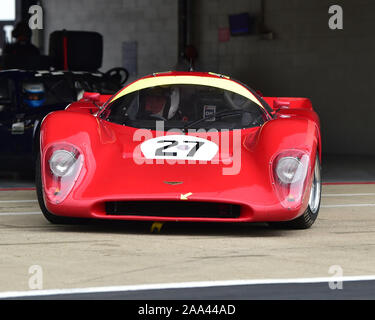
<point>179,285</point>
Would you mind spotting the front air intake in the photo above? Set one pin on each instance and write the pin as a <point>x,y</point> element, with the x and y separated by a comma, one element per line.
<point>178,209</point>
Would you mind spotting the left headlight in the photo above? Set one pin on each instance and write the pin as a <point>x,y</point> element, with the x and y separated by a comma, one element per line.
<point>62,166</point>
<point>62,162</point>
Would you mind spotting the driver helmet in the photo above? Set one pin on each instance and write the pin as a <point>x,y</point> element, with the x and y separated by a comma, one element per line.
<point>175,102</point>
<point>34,94</point>
<point>157,97</point>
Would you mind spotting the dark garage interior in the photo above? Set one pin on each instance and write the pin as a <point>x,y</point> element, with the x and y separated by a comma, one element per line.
<point>288,49</point>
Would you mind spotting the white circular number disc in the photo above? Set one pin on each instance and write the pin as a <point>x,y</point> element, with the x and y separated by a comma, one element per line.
<point>179,147</point>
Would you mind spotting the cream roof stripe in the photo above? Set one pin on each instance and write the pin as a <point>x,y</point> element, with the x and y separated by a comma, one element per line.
<point>221,83</point>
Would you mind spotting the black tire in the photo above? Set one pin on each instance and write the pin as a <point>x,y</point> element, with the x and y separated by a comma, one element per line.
<point>39,191</point>
<point>307,219</point>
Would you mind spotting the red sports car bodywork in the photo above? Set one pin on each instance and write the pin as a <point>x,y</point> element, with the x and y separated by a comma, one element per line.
<point>113,179</point>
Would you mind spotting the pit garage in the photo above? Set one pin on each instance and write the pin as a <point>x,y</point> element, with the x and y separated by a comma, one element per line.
<point>90,49</point>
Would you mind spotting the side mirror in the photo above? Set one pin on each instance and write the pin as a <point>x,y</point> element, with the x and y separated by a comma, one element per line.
<point>92,96</point>
<point>280,104</point>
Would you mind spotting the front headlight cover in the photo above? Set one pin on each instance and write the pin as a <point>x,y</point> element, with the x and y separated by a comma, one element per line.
<point>289,175</point>
<point>290,170</point>
<point>62,162</point>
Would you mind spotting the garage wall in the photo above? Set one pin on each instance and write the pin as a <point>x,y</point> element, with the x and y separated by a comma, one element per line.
<point>333,68</point>
<point>151,23</point>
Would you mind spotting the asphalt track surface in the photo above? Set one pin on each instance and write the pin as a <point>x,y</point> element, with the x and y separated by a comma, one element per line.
<point>126,261</point>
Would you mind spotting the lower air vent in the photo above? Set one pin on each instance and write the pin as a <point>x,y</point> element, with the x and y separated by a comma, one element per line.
<point>183,209</point>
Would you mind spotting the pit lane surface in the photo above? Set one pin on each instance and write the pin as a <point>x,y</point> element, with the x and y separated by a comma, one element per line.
<point>103,254</point>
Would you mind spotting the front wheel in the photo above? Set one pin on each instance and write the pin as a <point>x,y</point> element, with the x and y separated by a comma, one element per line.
<point>307,219</point>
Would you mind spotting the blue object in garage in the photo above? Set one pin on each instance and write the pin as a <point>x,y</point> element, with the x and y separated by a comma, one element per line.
<point>241,24</point>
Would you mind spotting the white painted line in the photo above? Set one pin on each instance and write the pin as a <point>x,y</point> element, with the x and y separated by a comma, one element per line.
<point>16,201</point>
<point>181,285</point>
<point>347,194</point>
<point>19,213</point>
<point>348,205</point>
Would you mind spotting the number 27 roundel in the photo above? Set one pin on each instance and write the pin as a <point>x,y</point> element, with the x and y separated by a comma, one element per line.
<point>179,147</point>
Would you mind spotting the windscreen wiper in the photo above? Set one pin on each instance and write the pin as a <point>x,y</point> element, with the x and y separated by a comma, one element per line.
<point>222,114</point>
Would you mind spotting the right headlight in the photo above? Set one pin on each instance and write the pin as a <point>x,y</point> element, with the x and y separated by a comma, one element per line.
<point>290,170</point>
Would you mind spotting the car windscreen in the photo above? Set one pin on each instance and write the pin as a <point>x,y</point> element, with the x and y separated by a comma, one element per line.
<point>185,106</point>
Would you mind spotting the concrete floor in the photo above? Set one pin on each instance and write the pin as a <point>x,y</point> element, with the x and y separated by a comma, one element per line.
<point>112,254</point>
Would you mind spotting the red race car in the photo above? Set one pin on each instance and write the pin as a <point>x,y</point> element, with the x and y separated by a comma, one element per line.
<point>182,146</point>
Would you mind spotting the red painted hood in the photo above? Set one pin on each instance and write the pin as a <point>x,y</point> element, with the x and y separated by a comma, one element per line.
<point>117,158</point>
